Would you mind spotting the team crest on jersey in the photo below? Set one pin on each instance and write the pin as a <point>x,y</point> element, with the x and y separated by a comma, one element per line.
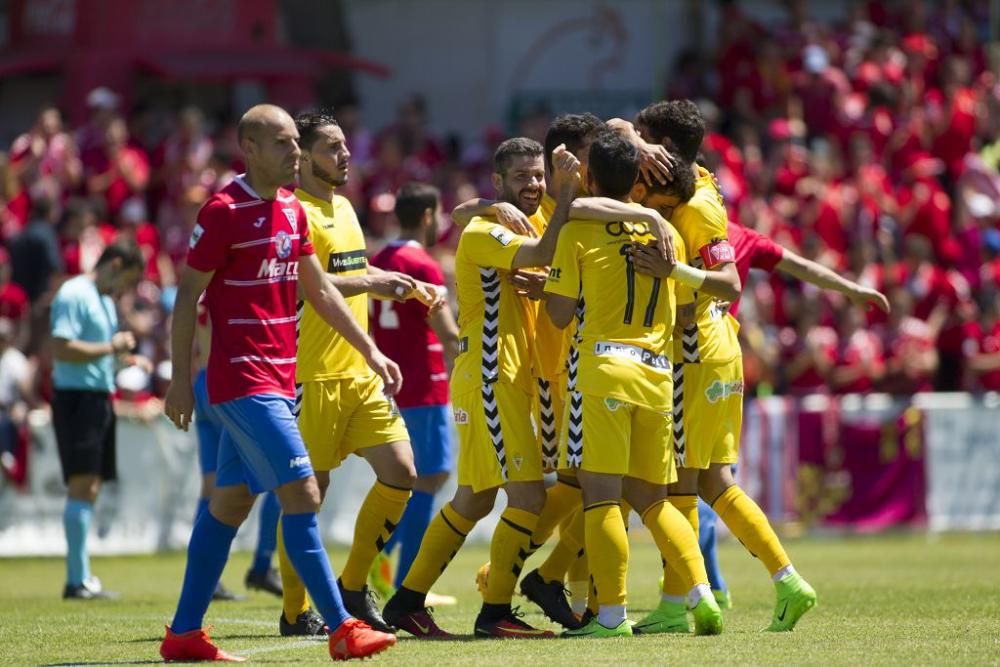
<point>196,235</point>
<point>612,404</point>
<point>461,417</point>
<point>290,214</point>
<point>502,236</point>
<point>283,244</point>
<point>517,461</point>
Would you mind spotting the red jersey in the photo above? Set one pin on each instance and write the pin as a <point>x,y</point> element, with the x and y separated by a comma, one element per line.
<point>13,301</point>
<point>753,251</point>
<point>402,333</point>
<point>988,342</point>
<point>253,246</point>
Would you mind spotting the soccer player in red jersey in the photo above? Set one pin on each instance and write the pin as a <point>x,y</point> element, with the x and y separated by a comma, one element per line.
<point>425,346</point>
<point>247,251</point>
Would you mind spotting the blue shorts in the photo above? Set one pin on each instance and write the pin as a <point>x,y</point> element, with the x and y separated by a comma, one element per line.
<point>261,445</point>
<point>431,436</point>
<point>207,423</point>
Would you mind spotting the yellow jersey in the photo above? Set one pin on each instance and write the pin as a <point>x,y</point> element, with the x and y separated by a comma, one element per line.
<point>551,342</point>
<point>496,326</point>
<point>625,320</point>
<point>340,248</point>
<point>702,225</point>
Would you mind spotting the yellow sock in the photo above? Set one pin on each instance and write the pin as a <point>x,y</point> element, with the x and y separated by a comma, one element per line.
<point>673,581</point>
<point>293,591</point>
<point>566,551</point>
<point>748,523</point>
<point>511,545</point>
<point>607,550</point>
<point>677,543</point>
<point>592,597</point>
<point>443,539</point>
<point>560,501</point>
<point>579,571</point>
<point>377,518</point>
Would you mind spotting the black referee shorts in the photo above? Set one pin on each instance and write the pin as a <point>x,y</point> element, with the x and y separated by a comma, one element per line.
<point>85,432</point>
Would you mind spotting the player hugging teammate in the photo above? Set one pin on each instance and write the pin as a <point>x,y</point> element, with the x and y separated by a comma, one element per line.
<point>593,339</point>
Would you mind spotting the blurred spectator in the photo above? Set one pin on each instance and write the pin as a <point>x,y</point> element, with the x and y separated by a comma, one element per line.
<point>16,397</point>
<point>860,362</point>
<point>34,253</point>
<point>911,355</point>
<point>115,170</point>
<point>984,349</point>
<point>47,151</point>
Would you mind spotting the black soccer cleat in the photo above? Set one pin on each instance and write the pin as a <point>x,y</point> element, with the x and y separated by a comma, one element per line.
<point>551,598</point>
<point>226,595</point>
<point>308,624</point>
<point>361,605</point>
<point>268,581</point>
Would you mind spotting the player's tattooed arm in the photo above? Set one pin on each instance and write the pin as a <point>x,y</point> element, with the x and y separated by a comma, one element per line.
<point>330,304</point>
<point>179,402</point>
<point>566,182</point>
<point>816,274</point>
<point>503,212</point>
<point>722,282</point>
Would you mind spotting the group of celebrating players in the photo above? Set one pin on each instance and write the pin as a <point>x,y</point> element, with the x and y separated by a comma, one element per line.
<point>594,339</point>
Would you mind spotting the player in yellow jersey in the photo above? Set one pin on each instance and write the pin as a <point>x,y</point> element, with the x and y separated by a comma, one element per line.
<point>340,403</point>
<point>492,388</point>
<point>544,585</point>
<point>618,426</point>
<point>708,381</point>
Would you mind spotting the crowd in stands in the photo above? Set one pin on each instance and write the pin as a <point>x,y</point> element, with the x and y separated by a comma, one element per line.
<point>871,146</point>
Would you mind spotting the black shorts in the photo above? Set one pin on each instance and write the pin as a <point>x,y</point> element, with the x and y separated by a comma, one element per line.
<point>85,432</point>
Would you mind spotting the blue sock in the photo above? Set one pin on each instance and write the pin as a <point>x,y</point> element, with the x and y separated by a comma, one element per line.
<point>267,538</point>
<point>76,523</point>
<point>207,554</point>
<point>708,542</point>
<point>305,550</point>
<point>411,529</point>
<point>202,508</point>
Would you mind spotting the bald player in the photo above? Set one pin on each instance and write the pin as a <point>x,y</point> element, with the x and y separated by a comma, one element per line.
<point>245,254</point>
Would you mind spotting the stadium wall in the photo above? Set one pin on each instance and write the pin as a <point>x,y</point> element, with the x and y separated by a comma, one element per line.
<point>855,464</point>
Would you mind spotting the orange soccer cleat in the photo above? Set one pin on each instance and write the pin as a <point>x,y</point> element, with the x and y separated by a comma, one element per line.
<point>356,639</point>
<point>193,646</point>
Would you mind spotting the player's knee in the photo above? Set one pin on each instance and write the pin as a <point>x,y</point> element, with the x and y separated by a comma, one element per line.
<point>527,496</point>
<point>473,506</point>
<point>300,497</point>
<point>231,505</point>
<point>393,464</point>
<point>712,485</point>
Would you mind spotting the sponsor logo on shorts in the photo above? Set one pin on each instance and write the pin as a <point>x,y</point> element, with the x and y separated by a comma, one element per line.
<point>720,391</point>
<point>461,416</point>
<point>603,348</point>
<point>502,236</point>
<point>298,461</point>
<point>612,404</point>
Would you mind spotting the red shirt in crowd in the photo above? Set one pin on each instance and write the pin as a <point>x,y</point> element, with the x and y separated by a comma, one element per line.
<point>819,339</point>
<point>96,162</point>
<point>253,245</point>
<point>987,342</point>
<point>862,353</point>
<point>13,301</point>
<point>401,330</point>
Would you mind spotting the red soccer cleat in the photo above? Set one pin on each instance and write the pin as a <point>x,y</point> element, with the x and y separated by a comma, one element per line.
<point>509,627</point>
<point>356,639</point>
<point>418,623</point>
<point>193,646</point>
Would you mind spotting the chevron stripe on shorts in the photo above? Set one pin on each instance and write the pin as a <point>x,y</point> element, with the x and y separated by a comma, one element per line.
<point>680,440</point>
<point>490,280</point>
<point>547,418</point>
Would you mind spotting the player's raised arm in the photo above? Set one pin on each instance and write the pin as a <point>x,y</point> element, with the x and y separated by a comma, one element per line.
<point>816,274</point>
<point>329,304</point>
<point>606,209</point>
<point>179,402</point>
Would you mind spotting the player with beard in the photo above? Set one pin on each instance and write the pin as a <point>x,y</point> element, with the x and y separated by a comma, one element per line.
<point>492,388</point>
<point>342,406</point>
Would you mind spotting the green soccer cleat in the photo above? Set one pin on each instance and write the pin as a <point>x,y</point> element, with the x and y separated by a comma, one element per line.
<point>707,617</point>
<point>594,630</point>
<point>380,576</point>
<point>724,598</point>
<point>668,617</point>
<point>795,598</point>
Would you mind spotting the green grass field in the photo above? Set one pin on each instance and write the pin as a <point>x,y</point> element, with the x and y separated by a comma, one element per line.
<point>889,600</point>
